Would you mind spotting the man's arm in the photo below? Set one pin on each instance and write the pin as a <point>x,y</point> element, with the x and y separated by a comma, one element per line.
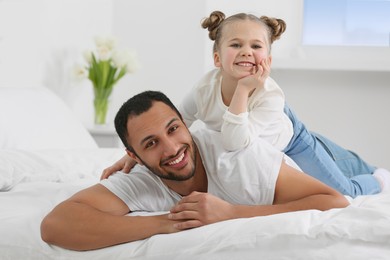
<point>294,191</point>
<point>95,218</point>
<point>301,191</point>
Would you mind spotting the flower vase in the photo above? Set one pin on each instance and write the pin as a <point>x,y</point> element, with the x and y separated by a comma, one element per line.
<point>101,108</point>
<point>101,102</point>
<point>105,67</point>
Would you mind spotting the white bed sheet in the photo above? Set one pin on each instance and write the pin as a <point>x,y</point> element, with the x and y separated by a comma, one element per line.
<point>360,231</point>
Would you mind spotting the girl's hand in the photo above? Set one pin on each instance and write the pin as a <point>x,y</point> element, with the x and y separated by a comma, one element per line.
<point>257,78</point>
<point>246,86</point>
<point>125,164</point>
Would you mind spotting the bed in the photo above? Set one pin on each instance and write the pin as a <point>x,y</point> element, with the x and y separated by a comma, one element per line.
<point>47,155</point>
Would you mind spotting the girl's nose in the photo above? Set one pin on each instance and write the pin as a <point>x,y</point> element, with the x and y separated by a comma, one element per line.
<point>246,51</point>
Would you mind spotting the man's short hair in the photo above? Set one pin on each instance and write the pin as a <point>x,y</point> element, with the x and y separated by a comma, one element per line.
<point>135,106</point>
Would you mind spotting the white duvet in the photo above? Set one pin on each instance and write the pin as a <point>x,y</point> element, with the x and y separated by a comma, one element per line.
<point>42,179</point>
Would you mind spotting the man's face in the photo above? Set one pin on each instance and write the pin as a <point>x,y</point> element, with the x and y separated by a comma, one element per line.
<point>162,143</point>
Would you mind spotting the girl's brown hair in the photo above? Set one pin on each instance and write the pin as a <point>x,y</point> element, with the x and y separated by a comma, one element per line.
<point>216,22</point>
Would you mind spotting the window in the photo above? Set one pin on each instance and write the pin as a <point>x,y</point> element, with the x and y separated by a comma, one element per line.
<point>346,22</point>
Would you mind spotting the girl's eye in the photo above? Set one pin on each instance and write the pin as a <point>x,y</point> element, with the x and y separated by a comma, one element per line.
<point>235,45</point>
<point>256,46</point>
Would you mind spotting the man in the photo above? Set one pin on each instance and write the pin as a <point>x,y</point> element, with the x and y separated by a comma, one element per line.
<point>194,179</point>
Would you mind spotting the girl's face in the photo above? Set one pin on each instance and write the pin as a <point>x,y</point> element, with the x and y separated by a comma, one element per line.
<point>244,44</point>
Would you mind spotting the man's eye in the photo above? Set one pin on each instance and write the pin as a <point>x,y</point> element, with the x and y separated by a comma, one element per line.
<point>173,129</point>
<point>150,144</point>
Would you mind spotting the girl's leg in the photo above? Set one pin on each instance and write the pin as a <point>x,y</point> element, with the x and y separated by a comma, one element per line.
<point>349,162</point>
<point>315,156</point>
<point>352,166</point>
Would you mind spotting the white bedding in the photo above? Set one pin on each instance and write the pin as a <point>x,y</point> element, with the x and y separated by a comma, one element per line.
<point>360,231</point>
<point>37,172</point>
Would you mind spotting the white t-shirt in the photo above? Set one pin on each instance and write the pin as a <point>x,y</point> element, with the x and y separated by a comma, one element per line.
<point>245,177</point>
<point>265,117</point>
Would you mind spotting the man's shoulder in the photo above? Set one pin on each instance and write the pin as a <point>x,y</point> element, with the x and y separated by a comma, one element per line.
<point>205,134</point>
<point>209,142</point>
<point>139,174</point>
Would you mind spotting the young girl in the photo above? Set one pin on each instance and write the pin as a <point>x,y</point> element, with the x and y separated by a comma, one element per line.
<point>243,102</point>
<point>239,98</point>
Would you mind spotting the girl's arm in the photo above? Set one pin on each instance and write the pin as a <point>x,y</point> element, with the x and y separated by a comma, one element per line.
<point>188,108</point>
<point>246,86</point>
<point>264,117</point>
<point>125,164</point>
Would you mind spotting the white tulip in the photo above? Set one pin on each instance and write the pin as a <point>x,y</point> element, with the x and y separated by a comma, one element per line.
<point>103,53</point>
<point>79,72</point>
<point>87,56</point>
<point>106,42</point>
<point>128,59</point>
<point>132,62</point>
<point>119,58</point>
<point>132,65</point>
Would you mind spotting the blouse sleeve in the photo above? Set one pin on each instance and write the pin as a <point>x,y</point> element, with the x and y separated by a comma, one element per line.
<point>265,119</point>
<point>188,108</point>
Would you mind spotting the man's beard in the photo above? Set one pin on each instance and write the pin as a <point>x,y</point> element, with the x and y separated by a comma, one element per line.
<point>171,175</point>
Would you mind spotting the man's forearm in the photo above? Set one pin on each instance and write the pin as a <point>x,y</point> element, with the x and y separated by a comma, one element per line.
<point>77,226</point>
<point>318,201</point>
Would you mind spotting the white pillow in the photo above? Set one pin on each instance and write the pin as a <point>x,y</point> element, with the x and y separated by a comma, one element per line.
<point>35,118</point>
<point>53,165</point>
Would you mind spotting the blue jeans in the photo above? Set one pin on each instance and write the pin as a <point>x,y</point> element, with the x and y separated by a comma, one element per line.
<point>326,161</point>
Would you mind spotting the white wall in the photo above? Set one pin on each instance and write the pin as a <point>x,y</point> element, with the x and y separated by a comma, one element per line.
<point>341,93</point>
<point>169,42</point>
<point>41,40</point>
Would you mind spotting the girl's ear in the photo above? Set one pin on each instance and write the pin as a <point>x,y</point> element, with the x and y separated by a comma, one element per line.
<point>217,60</point>
<point>270,60</point>
<point>134,157</point>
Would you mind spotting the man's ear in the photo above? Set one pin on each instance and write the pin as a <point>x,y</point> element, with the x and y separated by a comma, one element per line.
<point>134,157</point>
<point>217,60</point>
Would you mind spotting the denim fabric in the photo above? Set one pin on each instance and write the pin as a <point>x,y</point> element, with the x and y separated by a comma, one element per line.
<point>328,162</point>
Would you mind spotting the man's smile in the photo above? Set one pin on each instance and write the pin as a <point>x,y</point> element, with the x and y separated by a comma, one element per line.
<point>178,161</point>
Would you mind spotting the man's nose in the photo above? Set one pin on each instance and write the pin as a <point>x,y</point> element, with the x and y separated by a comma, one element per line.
<point>171,147</point>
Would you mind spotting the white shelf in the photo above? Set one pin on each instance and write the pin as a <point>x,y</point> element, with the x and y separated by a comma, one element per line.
<point>105,136</point>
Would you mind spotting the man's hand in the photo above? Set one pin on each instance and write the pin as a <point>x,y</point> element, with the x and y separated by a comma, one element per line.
<point>199,209</point>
